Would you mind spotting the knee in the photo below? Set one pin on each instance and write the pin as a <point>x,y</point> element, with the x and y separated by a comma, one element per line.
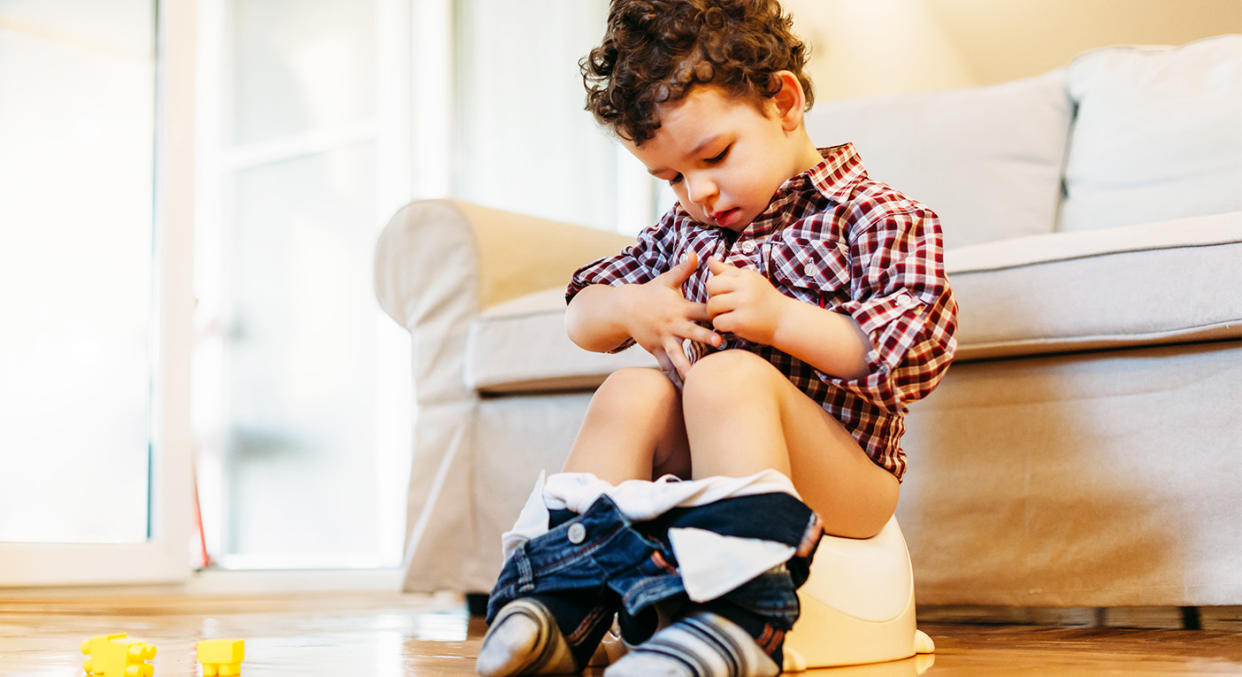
<point>726,376</point>
<point>632,387</point>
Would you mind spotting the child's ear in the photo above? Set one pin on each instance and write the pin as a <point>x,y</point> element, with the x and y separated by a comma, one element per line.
<point>790,101</point>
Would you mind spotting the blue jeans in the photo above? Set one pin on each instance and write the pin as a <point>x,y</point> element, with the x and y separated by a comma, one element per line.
<point>635,563</point>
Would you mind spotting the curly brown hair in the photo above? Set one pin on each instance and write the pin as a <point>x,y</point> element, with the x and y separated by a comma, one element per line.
<point>655,51</point>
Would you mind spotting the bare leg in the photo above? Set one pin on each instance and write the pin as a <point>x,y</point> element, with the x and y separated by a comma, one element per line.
<point>742,416</point>
<point>633,429</point>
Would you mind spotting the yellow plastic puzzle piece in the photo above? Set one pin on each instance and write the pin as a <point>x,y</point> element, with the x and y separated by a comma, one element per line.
<point>116,656</point>
<point>221,657</point>
<point>95,648</point>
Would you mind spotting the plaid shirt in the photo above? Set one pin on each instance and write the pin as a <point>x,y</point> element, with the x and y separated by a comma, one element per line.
<point>834,238</point>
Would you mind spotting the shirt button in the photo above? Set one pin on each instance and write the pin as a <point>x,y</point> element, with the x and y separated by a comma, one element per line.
<point>577,533</point>
<point>907,301</point>
<point>748,247</point>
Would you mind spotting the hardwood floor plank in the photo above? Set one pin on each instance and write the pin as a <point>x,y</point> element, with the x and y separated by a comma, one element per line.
<point>385,635</point>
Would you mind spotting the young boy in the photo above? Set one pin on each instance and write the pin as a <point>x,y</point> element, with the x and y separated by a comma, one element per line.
<point>796,308</point>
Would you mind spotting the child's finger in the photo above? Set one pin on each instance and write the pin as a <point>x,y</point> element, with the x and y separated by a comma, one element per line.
<point>677,356</point>
<point>725,321</point>
<point>697,312</point>
<point>716,266</point>
<point>703,335</point>
<point>681,272</point>
<point>719,305</point>
<point>718,284</point>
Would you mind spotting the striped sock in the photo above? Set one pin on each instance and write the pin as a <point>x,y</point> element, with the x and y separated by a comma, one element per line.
<point>523,640</point>
<point>702,644</point>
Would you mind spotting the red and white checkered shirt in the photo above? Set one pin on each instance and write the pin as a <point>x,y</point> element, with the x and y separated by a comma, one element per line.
<point>834,238</point>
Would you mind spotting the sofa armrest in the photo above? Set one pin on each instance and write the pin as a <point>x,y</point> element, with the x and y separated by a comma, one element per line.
<point>438,264</point>
<point>435,253</point>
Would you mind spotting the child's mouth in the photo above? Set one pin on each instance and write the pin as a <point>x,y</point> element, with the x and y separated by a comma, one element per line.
<point>727,217</point>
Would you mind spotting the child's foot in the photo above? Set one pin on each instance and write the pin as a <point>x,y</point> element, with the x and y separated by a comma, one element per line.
<point>702,644</point>
<point>524,640</point>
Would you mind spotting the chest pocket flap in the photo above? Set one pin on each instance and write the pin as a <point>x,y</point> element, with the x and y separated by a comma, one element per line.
<point>808,265</point>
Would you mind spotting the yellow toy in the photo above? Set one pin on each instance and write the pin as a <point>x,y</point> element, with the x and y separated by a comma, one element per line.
<point>221,657</point>
<point>115,656</point>
<point>858,607</point>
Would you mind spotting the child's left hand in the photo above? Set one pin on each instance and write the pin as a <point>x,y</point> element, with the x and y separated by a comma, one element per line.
<point>743,302</point>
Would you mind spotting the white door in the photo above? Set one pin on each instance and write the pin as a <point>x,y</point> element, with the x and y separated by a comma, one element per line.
<point>95,291</point>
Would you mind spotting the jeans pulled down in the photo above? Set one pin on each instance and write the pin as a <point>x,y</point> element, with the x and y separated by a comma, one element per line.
<point>604,554</point>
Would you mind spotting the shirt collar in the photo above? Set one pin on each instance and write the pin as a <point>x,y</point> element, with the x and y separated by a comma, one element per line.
<point>832,179</point>
<point>837,175</point>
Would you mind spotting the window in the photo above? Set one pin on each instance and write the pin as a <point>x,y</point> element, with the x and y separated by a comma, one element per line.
<point>317,121</point>
<point>302,395</point>
<point>293,130</point>
<point>525,143</point>
<point>77,128</point>
<point>92,425</point>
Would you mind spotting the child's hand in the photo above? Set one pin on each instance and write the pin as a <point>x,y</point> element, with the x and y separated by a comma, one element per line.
<point>743,302</point>
<point>660,318</point>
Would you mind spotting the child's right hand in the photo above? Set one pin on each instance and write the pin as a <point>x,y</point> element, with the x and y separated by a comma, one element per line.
<point>659,317</point>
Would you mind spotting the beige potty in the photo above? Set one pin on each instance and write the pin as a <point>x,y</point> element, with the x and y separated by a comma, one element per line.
<point>857,608</point>
<point>858,605</point>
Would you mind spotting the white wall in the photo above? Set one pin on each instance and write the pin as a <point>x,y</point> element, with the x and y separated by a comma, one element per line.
<point>522,142</point>
<point>887,46</point>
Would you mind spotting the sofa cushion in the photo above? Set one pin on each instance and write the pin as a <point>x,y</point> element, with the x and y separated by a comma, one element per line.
<point>988,159</point>
<point>1060,292</point>
<point>1158,134</point>
<point>522,346</point>
<point>1149,284</point>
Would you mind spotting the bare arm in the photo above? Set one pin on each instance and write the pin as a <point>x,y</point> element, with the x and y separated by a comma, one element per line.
<point>593,319</point>
<point>745,303</point>
<point>829,341</point>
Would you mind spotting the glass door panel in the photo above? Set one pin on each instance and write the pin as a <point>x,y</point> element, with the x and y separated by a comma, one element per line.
<point>300,67</point>
<point>300,360</point>
<point>299,383</point>
<point>94,300</point>
<point>77,103</point>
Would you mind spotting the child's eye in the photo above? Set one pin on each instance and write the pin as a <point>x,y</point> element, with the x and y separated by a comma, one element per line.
<point>675,180</point>
<point>720,157</point>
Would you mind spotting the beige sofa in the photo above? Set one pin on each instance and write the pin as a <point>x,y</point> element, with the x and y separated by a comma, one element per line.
<point>1085,449</point>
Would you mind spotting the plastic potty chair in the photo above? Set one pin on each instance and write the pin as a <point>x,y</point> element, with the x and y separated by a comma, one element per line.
<point>858,607</point>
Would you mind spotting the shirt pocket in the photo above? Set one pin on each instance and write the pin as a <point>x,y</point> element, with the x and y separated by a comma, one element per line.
<point>815,271</point>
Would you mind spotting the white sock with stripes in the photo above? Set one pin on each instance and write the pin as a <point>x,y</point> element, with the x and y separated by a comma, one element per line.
<point>701,644</point>
<point>524,640</point>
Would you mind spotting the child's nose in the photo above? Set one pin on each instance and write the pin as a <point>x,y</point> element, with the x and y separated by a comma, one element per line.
<point>702,190</point>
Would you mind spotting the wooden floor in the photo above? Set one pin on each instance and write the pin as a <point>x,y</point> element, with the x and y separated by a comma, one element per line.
<point>385,635</point>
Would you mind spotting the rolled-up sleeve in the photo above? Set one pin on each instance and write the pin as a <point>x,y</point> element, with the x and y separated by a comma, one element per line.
<point>640,262</point>
<point>902,301</point>
<point>636,264</point>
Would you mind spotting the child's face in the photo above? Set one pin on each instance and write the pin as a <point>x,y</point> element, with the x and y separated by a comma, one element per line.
<point>724,157</point>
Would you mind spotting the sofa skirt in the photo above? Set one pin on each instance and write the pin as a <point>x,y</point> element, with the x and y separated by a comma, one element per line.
<point>1096,479</point>
<point>1092,479</point>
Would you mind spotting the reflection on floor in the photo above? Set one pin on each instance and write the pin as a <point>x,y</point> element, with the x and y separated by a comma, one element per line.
<point>385,635</point>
